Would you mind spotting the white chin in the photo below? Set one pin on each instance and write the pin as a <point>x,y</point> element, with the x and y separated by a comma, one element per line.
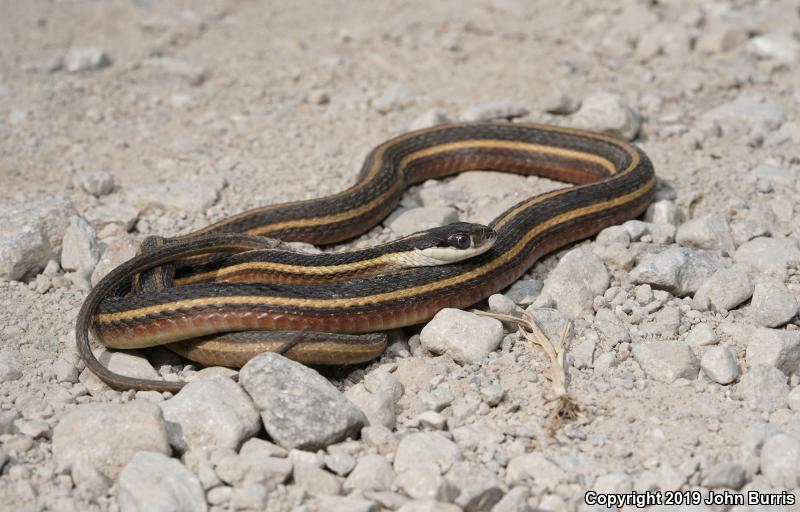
<point>445,255</point>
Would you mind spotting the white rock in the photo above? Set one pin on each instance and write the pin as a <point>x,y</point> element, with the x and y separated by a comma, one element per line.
<point>424,481</point>
<point>118,251</point>
<point>97,183</point>
<point>560,103</point>
<point>31,234</point>
<point>315,480</point>
<point>710,232</point>
<point>666,361</point>
<point>764,388</point>
<point>253,467</point>
<point>613,483</point>
<point>758,111</point>
<point>10,366</point>
<point>478,488</point>
<point>343,504</point>
<point>299,407</point>
<point>773,304</point>
<point>80,251</point>
<point>372,473</point>
<point>249,497</point>
<point>108,435</point>
<point>121,214</point>
<point>701,335</point>
<point>493,110</point>
<point>419,219</point>
<point>535,469</point>
<point>379,406</point>
<point>195,195</point>
<point>427,119</point>
<point>664,212</point>
<point>524,292</point>
<point>466,337</point>
<point>193,74</point>
<point>608,113</point>
<point>768,254</point>
<point>571,287</point>
<point>515,500</point>
<point>86,59</point>
<point>720,364</point>
<point>127,363</point>
<point>499,303</point>
<point>773,347</point>
<point>396,97</point>
<point>727,475</point>
<point>793,399</point>
<point>724,289</point>
<point>340,463</point>
<point>209,414</point>
<point>779,46</point>
<point>677,270</point>
<point>779,457</point>
<point>426,447</point>
<point>153,482</point>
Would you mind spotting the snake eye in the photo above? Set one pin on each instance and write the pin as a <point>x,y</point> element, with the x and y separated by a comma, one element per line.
<point>461,241</point>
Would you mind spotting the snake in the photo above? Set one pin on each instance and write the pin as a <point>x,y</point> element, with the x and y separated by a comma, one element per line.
<point>334,308</point>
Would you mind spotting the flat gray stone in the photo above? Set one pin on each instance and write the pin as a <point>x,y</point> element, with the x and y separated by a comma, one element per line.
<point>196,195</point>
<point>768,255</point>
<point>758,111</point>
<point>10,366</point>
<point>608,113</point>
<point>720,365</point>
<point>773,347</point>
<point>724,289</point>
<point>779,457</point>
<point>426,447</point>
<point>764,388</point>
<point>372,473</point>
<point>118,251</point>
<point>253,467</point>
<point>535,469</point>
<point>299,407</point>
<point>478,488</point>
<point>315,480</point>
<point>701,335</point>
<point>666,361</point>
<point>466,337</point>
<point>80,250</point>
<point>572,286</point>
<point>773,304</point>
<point>424,481</point>
<point>153,482</point>
<point>711,232</point>
<point>31,234</point>
<point>378,406</point>
<point>677,270</point>
<point>86,59</point>
<point>96,183</point>
<point>108,435</point>
<point>344,504</point>
<point>726,475</point>
<point>209,414</point>
<point>524,292</point>
<point>494,110</point>
<point>663,212</point>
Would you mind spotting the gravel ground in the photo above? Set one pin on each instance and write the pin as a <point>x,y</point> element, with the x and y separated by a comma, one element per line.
<point>125,119</point>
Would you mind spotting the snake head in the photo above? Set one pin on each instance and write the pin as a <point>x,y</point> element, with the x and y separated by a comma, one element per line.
<point>448,244</point>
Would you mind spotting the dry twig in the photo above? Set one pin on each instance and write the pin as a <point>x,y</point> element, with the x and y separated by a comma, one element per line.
<point>566,409</point>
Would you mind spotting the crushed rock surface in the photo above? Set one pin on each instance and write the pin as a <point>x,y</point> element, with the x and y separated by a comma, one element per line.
<point>120,120</point>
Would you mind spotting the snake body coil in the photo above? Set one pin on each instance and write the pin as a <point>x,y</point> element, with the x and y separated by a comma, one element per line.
<point>614,182</point>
